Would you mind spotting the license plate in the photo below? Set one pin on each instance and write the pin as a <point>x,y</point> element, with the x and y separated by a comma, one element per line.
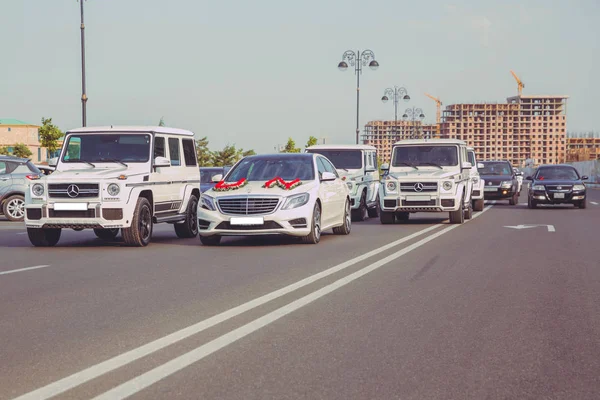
<point>487,189</point>
<point>418,198</point>
<point>559,195</point>
<point>247,221</point>
<point>70,206</point>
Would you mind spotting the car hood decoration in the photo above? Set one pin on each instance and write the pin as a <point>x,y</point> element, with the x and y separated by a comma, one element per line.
<point>222,186</point>
<point>258,188</point>
<point>282,184</point>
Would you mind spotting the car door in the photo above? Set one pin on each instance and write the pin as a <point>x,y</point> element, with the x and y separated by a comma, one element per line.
<point>160,179</point>
<point>370,162</point>
<point>5,179</point>
<point>337,193</point>
<point>326,194</point>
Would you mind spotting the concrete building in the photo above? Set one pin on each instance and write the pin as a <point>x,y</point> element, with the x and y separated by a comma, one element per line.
<point>383,134</point>
<point>525,127</point>
<point>583,146</point>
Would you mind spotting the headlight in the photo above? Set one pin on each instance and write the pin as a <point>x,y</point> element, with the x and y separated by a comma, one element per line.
<point>538,187</point>
<point>447,185</point>
<point>296,201</point>
<point>113,189</point>
<point>349,184</point>
<point>207,202</point>
<point>475,180</point>
<point>506,184</point>
<point>575,187</point>
<point>390,186</point>
<point>37,189</point>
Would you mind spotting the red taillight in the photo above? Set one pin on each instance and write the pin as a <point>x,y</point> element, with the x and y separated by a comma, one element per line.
<point>32,177</point>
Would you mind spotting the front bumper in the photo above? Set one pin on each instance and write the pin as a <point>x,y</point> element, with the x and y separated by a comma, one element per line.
<point>570,197</point>
<point>498,193</point>
<point>431,202</point>
<point>94,215</point>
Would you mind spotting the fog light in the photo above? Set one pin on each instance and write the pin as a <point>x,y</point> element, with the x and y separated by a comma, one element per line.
<point>504,192</point>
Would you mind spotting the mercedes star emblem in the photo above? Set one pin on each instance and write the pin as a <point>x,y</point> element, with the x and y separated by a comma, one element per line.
<point>559,187</point>
<point>418,187</point>
<point>73,191</point>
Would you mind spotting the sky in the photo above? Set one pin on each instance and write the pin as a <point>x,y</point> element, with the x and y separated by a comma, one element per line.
<point>253,73</point>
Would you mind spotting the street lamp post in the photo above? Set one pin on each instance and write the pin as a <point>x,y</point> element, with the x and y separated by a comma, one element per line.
<point>358,60</point>
<point>413,114</point>
<point>396,94</point>
<point>84,98</point>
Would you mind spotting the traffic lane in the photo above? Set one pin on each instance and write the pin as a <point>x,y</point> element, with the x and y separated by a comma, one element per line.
<point>481,312</point>
<point>66,317</point>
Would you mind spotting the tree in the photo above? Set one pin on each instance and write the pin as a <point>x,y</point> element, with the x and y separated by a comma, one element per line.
<point>290,147</point>
<point>225,157</point>
<point>21,150</point>
<point>49,135</point>
<point>311,141</point>
<point>205,157</point>
<point>241,153</point>
<point>161,122</point>
<point>4,151</point>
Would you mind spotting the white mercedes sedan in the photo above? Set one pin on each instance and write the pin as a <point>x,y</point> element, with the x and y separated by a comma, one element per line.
<point>295,194</point>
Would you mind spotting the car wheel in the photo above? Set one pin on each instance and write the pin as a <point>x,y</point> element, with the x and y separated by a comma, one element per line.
<point>44,237</point>
<point>315,233</point>
<point>478,205</point>
<point>140,232</point>
<point>531,203</point>
<point>107,234</point>
<point>362,212</point>
<point>582,203</point>
<point>387,217</point>
<point>189,228</point>
<point>374,211</point>
<point>346,226</point>
<point>469,211</point>
<point>14,208</point>
<point>214,240</point>
<point>458,216</point>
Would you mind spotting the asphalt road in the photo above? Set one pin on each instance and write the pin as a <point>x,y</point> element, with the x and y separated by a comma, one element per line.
<point>424,310</point>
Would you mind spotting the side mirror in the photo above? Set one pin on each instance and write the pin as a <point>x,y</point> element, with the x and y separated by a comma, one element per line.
<point>466,165</point>
<point>217,178</point>
<point>529,178</point>
<point>328,176</point>
<point>584,178</point>
<point>161,162</point>
<point>53,162</point>
<point>480,165</point>
<point>385,167</point>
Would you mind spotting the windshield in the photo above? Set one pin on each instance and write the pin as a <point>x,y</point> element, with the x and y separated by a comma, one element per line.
<point>266,168</point>
<point>472,158</point>
<point>342,159</point>
<point>557,174</point>
<point>443,156</point>
<point>495,168</point>
<point>206,174</point>
<point>108,148</point>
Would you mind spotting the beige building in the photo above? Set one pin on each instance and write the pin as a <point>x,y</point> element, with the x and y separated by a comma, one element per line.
<point>583,146</point>
<point>525,127</point>
<point>13,131</point>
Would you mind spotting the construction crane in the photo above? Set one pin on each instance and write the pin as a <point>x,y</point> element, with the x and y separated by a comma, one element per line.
<point>438,114</point>
<point>519,82</point>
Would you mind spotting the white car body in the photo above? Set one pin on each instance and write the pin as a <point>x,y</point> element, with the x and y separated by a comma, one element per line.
<point>478,183</point>
<point>519,176</point>
<point>256,210</point>
<point>76,195</point>
<point>427,188</point>
<point>363,182</point>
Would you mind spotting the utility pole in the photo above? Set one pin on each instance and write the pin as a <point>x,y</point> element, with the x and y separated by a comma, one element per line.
<point>84,98</point>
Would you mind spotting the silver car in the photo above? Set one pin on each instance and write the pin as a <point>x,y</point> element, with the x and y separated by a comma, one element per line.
<point>14,175</point>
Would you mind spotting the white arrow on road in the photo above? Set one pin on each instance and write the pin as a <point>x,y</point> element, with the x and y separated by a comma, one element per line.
<point>594,203</point>
<point>550,227</point>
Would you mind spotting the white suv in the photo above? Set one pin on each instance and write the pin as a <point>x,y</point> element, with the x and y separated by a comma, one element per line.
<point>427,175</point>
<point>111,178</point>
<point>357,166</point>
<point>478,183</point>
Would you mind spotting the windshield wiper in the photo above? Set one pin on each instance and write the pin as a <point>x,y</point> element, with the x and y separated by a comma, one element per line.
<point>407,164</point>
<point>432,164</point>
<point>83,161</point>
<point>113,160</point>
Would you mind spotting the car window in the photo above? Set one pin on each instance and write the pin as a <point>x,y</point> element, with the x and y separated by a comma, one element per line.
<point>472,158</point>
<point>189,152</point>
<point>259,168</point>
<point>321,166</point>
<point>174,152</point>
<point>20,169</point>
<point>445,156</point>
<point>207,174</point>
<point>495,168</point>
<point>33,168</point>
<point>346,159</point>
<point>557,173</point>
<point>159,147</point>
<point>329,166</point>
<point>3,168</point>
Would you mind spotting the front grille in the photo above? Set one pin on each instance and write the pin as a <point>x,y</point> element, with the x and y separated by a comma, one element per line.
<point>389,203</point>
<point>267,225</point>
<point>90,213</point>
<point>406,203</point>
<point>34,213</point>
<point>248,205</point>
<point>492,182</point>
<point>418,187</point>
<point>112,214</point>
<point>73,190</point>
<point>555,188</point>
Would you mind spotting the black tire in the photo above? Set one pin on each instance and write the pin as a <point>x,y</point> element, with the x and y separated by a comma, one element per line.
<point>44,237</point>
<point>346,227</point>
<point>387,217</point>
<point>214,240</point>
<point>374,211</point>
<point>582,204</point>
<point>362,212</point>
<point>189,228</point>
<point>469,212</point>
<point>314,236</point>
<point>514,200</point>
<point>140,231</point>
<point>14,208</point>
<point>402,216</point>
<point>531,203</point>
<point>107,234</point>
<point>478,205</point>
<point>458,216</point>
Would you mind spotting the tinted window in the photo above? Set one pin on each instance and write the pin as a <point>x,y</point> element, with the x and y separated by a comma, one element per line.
<point>472,158</point>
<point>344,159</point>
<point>328,166</point>
<point>174,151</point>
<point>557,173</point>
<point>495,168</point>
<point>189,152</point>
<point>107,148</point>
<point>444,156</point>
<point>207,174</point>
<point>262,169</point>
<point>159,147</point>
<point>3,168</point>
<point>21,169</point>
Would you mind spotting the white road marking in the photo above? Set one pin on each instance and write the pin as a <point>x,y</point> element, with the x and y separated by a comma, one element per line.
<point>23,269</point>
<point>519,227</point>
<point>594,203</point>
<point>81,377</point>
<point>141,382</point>
<point>22,233</point>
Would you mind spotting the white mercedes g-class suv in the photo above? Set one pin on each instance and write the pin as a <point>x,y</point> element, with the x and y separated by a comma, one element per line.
<point>111,178</point>
<point>478,183</point>
<point>426,175</point>
<point>357,166</point>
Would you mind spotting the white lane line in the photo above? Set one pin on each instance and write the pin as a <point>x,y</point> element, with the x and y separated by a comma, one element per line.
<point>23,269</point>
<point>109,365</point>
<point>141,382</point>
<point>22,233</point>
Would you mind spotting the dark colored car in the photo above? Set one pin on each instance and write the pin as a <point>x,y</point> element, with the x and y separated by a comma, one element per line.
<point>14,176</point>
<point>556,184</point>
<point>206,174</point>
<point>500,181</point>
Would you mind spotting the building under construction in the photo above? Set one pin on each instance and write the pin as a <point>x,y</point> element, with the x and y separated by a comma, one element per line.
<point>383,134</point>
<point>583,146</point>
